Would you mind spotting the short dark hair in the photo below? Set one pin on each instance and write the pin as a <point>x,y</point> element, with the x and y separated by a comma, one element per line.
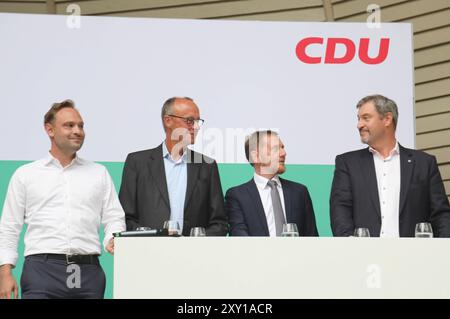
<point>56,107</point>
<point>252,142</point>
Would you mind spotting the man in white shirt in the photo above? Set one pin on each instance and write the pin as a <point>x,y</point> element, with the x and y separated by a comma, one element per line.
<point>63,199</point>
<point>261,206</point>
<point>386,187</point>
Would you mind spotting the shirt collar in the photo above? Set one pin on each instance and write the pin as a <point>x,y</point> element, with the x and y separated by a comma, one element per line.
<point>261,181</point>
<point>165,151</point>
<point>168,156</point>
<point>394,151</point>
<point>50,159</point>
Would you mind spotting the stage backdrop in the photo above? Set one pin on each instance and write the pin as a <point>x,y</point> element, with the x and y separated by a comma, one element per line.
<point>302,79</point>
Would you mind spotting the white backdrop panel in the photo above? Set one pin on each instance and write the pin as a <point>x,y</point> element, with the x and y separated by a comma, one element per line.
<point>242,74</point>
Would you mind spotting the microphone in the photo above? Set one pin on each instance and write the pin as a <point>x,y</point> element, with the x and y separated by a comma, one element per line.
<point>143,233</point>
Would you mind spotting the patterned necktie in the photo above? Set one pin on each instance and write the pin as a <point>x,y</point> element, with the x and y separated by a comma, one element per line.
<point>277,208</point>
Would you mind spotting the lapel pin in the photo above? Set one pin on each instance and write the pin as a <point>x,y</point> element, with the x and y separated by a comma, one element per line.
<point>409,161</point>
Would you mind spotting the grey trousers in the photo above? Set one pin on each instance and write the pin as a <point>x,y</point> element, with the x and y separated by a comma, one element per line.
<point>44,278</point>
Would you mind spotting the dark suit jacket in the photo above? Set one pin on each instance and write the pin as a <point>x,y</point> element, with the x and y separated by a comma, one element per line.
<point>354,200</point>
<point>246,212</point>
<point>145,200</point>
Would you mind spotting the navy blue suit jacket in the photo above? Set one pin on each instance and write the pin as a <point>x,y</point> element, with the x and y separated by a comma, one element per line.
<point>246,213</point>
<point>354,200</point>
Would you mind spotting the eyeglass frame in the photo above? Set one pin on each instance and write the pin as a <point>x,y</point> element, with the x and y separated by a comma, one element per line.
<point>187,120</point>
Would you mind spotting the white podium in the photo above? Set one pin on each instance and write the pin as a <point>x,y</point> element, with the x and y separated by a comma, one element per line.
<point>272,268</point>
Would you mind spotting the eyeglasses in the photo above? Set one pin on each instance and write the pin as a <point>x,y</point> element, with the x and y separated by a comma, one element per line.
<point>189,120</point>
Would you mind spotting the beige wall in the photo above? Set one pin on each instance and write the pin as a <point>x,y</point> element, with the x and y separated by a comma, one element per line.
<point>430,19</point>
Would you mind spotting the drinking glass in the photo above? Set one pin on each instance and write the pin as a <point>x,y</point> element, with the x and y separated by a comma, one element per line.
<point>198,232</point>
<point>424,230</point>
<point>173,227</point>
<point>289,230</point>
<point>361,232</point>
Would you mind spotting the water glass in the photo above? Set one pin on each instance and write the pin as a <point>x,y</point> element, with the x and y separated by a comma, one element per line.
<point>173,227</point>
<point>289,230</point>
<point>361,232</point>
<point>198,232</point>
<point>424,230</point>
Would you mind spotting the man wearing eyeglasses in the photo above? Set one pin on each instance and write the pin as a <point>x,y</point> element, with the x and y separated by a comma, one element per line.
<point>172,182</point>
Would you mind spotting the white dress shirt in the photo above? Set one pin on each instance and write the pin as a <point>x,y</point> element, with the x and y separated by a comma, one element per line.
<point>63,208</point>
<point>388,181</point>
<point>266,199</point>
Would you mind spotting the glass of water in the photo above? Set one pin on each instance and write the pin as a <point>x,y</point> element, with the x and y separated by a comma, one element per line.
<point>198,232</point>
<point>173,227</point>
<point>361,232</point>
<point>289,230</point>
<point>424,230</point>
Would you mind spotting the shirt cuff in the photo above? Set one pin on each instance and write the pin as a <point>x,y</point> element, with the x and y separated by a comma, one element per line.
<point>106,240</point>
<point>8,257</point>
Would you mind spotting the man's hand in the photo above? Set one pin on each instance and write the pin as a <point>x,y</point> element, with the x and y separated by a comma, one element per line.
<point>8,284</point>
<point>110,246</point>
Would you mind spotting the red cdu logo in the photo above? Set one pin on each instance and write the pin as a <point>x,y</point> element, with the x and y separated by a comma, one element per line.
<point>350,50</point>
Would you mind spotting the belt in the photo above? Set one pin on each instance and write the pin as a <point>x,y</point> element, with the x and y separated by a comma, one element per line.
<point>72,259</point>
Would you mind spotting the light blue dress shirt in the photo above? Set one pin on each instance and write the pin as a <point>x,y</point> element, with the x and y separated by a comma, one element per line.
<point>176,177</point>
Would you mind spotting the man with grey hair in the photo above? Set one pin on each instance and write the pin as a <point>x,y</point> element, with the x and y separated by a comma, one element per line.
<point>172,182</point>
<point>386,187</point>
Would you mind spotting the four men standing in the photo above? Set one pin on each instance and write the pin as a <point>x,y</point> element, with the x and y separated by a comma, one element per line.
<point>64,199</point>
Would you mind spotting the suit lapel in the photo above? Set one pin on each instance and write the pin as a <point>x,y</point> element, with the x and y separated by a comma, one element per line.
<point>193,169</point>
<point>259,209</point>
<point>368,169</point>
<point>287,200</point>
<point>406,169</point>
<point>159,174</point>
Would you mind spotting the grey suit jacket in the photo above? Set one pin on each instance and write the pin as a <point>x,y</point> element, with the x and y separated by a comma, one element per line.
<point>145,200</point>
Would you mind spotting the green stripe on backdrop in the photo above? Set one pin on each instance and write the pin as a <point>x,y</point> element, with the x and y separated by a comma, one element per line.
<point>316,177</point>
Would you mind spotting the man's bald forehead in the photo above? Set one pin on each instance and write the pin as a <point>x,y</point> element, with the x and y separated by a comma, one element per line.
<point>180,102</point>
